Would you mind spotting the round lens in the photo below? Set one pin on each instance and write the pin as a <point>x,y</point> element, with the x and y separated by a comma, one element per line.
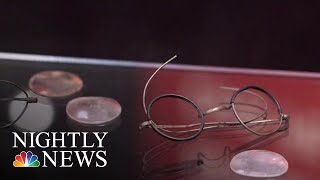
<point>8,91</point>
<point>259,163</point>
<point>175,117</point>
<point>55,84</point>
<point>94,113</point>
<point>257,110</point>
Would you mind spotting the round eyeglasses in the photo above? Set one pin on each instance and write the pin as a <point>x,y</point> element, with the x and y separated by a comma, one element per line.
<point>8,94</point>
<point>178,118</point>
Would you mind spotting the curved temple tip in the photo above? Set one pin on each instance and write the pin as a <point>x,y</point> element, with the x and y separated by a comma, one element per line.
<point>32,100</point>
<point>173,57</point>
<point>147,83</point>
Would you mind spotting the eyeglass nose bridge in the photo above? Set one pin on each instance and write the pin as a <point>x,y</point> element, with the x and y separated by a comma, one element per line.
<point>215,109</point>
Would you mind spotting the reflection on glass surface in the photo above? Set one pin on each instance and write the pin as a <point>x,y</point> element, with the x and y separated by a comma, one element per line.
<point>38,117</point>
<point>162,160</point>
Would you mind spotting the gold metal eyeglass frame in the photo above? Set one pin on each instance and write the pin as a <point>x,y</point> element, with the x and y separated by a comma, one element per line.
<point>160,129</point>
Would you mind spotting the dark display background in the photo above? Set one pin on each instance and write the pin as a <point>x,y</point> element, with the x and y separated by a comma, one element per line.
<point>258,34</point>
<point>126,145</point>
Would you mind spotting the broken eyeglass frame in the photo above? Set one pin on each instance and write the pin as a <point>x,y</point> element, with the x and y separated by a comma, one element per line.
<point>190,131</point>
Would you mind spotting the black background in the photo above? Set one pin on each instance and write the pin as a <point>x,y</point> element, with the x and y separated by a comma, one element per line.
<point>124,161</point>
<point>258,34</point>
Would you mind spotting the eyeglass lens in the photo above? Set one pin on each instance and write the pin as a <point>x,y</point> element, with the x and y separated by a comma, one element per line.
<point>8,91</point>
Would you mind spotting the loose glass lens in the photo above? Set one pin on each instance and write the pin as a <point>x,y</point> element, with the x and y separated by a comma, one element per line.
<point>89,113</point>
<point>257,110</point>
<point>55,84</point>
<point>259,163</point>
<point>8,91</point>
<point>176,118</point>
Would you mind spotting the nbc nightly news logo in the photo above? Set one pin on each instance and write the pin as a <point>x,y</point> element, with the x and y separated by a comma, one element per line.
<point>55,158</point>
<point>26,160</point>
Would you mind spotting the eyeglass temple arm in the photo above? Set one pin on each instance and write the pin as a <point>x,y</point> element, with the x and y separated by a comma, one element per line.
<point>210,125</point>
<point>28,99</point>
<point>147,84</point>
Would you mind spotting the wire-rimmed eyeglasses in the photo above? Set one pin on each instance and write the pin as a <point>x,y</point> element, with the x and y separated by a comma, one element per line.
<point>239,103</point>
<point>7,87</point>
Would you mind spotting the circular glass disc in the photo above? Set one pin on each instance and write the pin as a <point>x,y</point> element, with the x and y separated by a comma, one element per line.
<point>55,83</point>
<point>259,163</point>
<point>93,111</point>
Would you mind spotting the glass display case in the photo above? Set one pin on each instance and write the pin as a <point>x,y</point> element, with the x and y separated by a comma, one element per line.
<point>127,152</point>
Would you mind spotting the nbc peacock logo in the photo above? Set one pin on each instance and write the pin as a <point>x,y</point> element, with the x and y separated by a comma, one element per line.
<point>26,160</point>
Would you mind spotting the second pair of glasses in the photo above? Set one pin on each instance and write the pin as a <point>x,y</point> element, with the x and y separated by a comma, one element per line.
<point>178,118</point>
<point>14,101</point>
